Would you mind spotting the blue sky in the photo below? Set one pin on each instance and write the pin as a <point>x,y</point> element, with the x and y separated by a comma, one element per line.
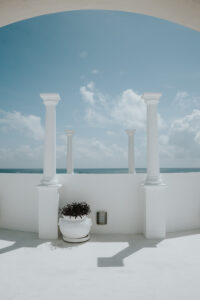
<point>100,62</point>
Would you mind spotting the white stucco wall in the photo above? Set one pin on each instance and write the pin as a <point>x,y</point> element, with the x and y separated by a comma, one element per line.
<point>18,201</point>
<point>182,201</point>
<point>119,194</point>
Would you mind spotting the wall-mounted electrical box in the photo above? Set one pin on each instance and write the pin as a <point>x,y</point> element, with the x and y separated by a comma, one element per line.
<point>101,217</point>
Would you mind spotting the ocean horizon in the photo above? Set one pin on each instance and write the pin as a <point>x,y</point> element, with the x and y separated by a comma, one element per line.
<point>97,170</point>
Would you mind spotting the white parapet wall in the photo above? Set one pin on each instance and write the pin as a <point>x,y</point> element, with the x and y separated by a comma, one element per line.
<point>182,201</point>
<point>120,195</point>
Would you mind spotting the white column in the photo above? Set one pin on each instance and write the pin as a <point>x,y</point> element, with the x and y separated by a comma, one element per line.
<point>69,134</point>
<point>49,172</point>
<point>154,192</point>
<point>153,167</point>
<point>131,155</point>
<point>48,190</point>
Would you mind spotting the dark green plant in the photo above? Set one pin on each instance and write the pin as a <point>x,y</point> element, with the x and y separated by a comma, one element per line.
<point>75,209</point>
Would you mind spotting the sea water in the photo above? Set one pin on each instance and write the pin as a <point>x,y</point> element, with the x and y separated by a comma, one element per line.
<point>101,171</point>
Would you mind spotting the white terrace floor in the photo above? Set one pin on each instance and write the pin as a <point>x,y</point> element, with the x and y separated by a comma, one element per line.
<point>107,267</point>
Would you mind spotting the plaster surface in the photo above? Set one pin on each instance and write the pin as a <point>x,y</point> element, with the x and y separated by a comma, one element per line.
<point>107,267</point>
<point>184,12</point>
<point>119,194</point>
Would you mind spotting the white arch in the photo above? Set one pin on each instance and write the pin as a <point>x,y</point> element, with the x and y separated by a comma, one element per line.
<point>183,12</point>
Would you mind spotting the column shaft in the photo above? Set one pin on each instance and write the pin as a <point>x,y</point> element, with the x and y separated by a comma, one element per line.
<point>153,166</point>
<point>69,151</point>
<point>50,144</point>
<point>131,156</point>
<point>49,167</point>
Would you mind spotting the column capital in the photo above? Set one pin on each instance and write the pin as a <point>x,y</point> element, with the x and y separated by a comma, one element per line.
<point>130,131</point>
<point>69,132</point>
<point>151,98</point>
<point>50,99</point>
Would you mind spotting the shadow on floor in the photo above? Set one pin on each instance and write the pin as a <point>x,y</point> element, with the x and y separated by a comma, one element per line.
<point>21,239</point>
<point>135,244</point>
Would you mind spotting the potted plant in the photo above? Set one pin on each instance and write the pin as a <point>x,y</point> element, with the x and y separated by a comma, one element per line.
<point>74,222</point>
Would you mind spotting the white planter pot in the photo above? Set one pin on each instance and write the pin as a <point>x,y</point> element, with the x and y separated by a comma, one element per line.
<point>75,229</point>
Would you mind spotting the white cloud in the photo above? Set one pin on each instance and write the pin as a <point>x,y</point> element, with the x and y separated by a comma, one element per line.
<point>87,93</point>
<point>92,96</point>
<point>182,142</point>
<point>92,152</point>
<point>83,54</point>
<point>129,110</point>
<point>24,156</point>
<point>28,124</point>
<point>95,112</point>
<point>110,133</point>
<point>164,139</point>
<point>181,95</point>
<point>180,145</point>
<point>95,71</point>
<point>96,118</point>
<point>186,101</point>
<point>183,99</point>
<point>90,85</point>
<point>190,123</point>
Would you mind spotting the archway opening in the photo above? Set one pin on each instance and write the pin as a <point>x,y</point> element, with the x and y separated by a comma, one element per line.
<point>100,62</point>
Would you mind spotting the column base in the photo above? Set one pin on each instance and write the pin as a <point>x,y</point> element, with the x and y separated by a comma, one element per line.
<point>48,181</point>
<point>132,172</point>
<point>153,180</point>
<point>48,203</point>
<point>154,218</point>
